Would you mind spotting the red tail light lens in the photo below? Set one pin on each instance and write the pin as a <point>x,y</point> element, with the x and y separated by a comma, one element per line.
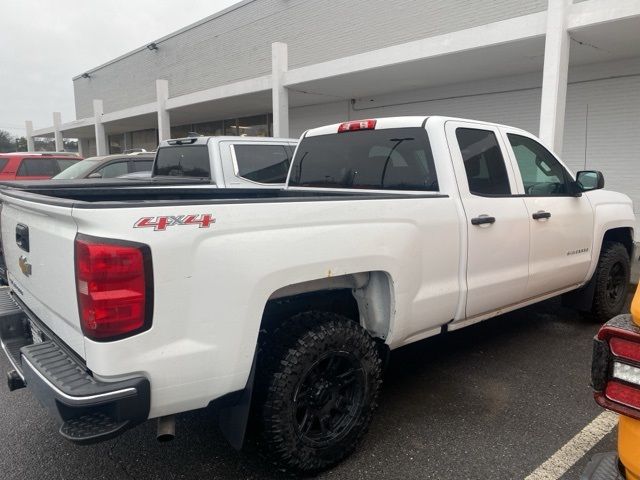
<point>114,286</point>
<point>616,366</point>
<point>357,125</point>
<point>625,348</point>
<point>623,394</point>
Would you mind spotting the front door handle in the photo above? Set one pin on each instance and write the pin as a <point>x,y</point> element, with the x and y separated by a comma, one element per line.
<point>541,215</point>
<point>483,219</point>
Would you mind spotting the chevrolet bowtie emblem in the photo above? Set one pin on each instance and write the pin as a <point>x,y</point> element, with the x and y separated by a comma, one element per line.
<point>25,266</point>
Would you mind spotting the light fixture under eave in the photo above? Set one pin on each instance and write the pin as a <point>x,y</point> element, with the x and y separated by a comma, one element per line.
<point>85,75</point>
<point>152,46</point>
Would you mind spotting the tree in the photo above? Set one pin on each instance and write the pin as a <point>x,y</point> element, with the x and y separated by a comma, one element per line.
<point>7,142</point>
<point>21,144</point>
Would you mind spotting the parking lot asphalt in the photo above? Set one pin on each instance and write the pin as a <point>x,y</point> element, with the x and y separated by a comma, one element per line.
<point>492,401</point>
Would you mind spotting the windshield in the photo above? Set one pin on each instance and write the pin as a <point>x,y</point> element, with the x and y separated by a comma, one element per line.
<point>79,169</point>
<point>183,161</point>
<point>385,159</point>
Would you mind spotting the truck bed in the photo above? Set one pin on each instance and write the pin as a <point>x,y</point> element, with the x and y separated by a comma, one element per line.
<point>130,194</point>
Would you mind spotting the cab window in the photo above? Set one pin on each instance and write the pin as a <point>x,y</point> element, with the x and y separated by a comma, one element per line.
<point>262,163</point>
<point>483,162</point>
<point>541,173</point>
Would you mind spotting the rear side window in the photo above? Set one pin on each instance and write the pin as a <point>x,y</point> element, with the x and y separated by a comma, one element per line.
<point>3,163</point>
<point>37,167</point>
<point>114,169</point>
<point>64,163</point>
<point>142,165</point>
<point>483,162</point>
<point>386,159</point>
<point>183,161</point>
<point>262,163</point>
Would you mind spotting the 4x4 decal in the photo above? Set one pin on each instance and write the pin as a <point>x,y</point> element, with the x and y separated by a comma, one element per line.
<point>162,222</point>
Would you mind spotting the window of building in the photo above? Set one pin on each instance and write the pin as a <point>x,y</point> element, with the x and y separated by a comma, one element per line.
<point>257,126</point>
<point>483,162</point>
<point>183,161</point>
<point>37,167</point>
<point>116,143</point>
<point>147,139</point>
<point>262,163</point>
<point>389,159</point>
<point>541,173</point>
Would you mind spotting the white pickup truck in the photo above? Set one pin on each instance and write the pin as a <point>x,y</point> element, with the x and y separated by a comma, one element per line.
<point>227,162</point>
<point>280,306</point>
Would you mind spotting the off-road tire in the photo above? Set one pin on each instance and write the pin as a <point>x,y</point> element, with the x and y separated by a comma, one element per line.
<point>288,358</point>
<point>606,302</point>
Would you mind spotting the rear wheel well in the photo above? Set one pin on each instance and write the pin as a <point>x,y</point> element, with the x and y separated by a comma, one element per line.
<point>339,301</point>
<point>623,235</point>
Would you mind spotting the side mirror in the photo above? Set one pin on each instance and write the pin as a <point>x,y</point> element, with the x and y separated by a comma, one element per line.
<point>95,175</point>
<point>589,180</point>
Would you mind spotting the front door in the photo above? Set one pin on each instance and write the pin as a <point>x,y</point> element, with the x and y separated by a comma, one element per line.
<point>496,221</point>
<point>561,224</point>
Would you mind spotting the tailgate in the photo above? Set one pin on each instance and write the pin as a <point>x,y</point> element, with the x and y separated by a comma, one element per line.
<point>38,242</point>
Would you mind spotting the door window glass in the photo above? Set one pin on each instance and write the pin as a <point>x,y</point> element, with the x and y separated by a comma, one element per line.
<point>64,163</point>
<point>541,173</point>
<point>142,165</point>
<point>483,162</point>
<point>38,167</point>
<point>114,169</point>
<point>263,163</point>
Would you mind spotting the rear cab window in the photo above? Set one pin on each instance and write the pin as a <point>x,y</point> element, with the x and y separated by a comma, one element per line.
<point>384,159</point>
<point>183,161</point>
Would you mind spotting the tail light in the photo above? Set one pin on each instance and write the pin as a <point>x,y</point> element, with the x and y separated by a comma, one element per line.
<point>114,284</point>
<point>357,125</point>
<point>616,366</point>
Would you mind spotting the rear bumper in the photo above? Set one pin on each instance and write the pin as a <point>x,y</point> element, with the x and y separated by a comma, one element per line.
<point>88,409</point>
<point>629,446</point>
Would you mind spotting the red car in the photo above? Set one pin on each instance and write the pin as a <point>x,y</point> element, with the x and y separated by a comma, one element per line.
<point>34,165</point>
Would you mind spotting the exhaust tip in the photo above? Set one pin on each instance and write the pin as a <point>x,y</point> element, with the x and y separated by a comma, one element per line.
<point>166,428</point>
<point>14,381</point>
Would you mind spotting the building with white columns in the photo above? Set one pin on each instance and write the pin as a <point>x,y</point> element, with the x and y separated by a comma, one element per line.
<point>568,70</point>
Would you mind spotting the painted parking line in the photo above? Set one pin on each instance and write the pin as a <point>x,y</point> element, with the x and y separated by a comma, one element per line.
<point>572,451</point>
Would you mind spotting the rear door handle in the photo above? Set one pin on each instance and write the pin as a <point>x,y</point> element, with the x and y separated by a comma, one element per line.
<point>482,219</point>
<point>540,215</point>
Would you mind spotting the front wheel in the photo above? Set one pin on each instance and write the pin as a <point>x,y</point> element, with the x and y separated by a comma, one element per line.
<point>612,278</point>
<point>321,376</point>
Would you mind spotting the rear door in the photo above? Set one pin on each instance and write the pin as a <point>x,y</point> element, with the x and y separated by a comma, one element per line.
<point>38,242</point>
<point>561,224</point>
<point>496,220</point>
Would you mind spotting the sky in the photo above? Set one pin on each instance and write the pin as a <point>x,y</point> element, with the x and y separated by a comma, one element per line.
<point>44,43</point>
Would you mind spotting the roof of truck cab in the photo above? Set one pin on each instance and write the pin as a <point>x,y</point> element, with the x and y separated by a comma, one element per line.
<point>394,122</point>
<point>203,140</point>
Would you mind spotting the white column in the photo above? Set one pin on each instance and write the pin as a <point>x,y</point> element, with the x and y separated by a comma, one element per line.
<point>30,144</point>
<point>554,77</point>
<point>83,147</point>
<point>164,119</point>
<point>57,122</point>
<point>101,137</point>
<point>279,93</point>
